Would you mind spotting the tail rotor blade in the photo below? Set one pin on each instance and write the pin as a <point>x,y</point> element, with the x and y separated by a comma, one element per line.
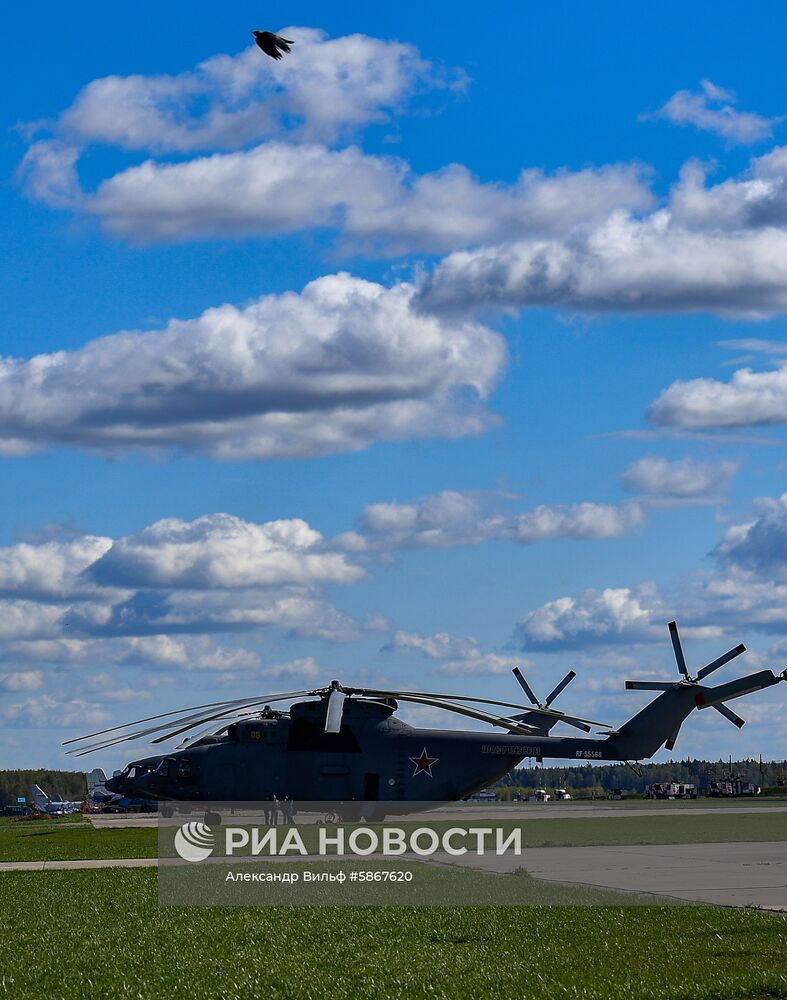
<point>564,683</point>
<point>649,685</point>
<point>673,739</point>
<point>673,632</point>
<point>333,715</point>
<point>736,720</point>
<point>720,661</point>
<point>524,685</point>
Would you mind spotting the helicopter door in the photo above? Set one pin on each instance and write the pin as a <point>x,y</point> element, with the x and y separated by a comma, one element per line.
<point>371,787</point>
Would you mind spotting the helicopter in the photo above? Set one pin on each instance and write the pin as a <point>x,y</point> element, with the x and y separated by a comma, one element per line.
<point>346,744</point>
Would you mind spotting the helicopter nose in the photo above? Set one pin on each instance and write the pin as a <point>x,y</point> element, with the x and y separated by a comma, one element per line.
<point>111,785</point>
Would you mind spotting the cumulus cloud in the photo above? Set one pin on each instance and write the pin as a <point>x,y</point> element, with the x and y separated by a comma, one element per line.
<point>268,130</point>
<point>219,551</point>
<point>759,545</point>
<point>453,518</point>
<point>709,247</point>
<point>624,265</point>
<point>51,569</point>
<point>217,573</point>
<point>49,712</point>
<point>304,667</point>
<point>457,655</point>
<point>712,109</point>
<point>325,87</point>
<point>749,399</point>
<point>22,680</point>
<point>608,616</point>
<point>338,367</point>
<point>374,201</point>
<point>683,479</point>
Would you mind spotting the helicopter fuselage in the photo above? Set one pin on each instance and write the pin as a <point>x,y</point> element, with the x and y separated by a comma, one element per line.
<point>374,757</point>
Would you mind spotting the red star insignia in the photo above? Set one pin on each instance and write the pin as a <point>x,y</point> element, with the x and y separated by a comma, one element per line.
<point>423,764</point>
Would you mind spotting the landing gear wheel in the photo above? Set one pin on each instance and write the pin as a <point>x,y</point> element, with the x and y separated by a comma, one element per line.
<point>166,810</point>
<point>212,819</point>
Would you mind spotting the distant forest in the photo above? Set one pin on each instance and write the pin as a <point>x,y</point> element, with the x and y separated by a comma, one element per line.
<point>70,785</point>
<point>602,778</point>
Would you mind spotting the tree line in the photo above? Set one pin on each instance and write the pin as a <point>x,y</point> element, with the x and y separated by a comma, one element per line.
<point>602,778</point>
<point>69,785</point>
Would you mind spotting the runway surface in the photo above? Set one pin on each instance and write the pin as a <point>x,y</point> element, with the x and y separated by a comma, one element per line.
<point>732,874</point>
<point>524,810</point>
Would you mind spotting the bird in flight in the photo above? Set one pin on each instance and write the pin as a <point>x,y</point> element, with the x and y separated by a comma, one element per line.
<point>272,45</point>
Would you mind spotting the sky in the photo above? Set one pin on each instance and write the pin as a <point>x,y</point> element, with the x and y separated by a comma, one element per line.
<point>446,344</point>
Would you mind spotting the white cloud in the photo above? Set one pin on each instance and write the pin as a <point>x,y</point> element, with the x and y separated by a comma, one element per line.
<point>51,569</point>
<point>322,89</point>
<point>49,712</point>
<point>340,366</point>
<point>60,600</point>
<point>221,551</point>
<point>759,545</point>
<point>458,655</point>
<point>712,109</point>
<point>48,172</point>
<point>749,399</point>
<point>305,668</point>
<point>270,128</point>
<point>612,615</point>
<point>683,478</point>
<point>455,518</point>
<point>272,189</point>
<point>22,680</point>
<point>279,187</point>
<point>624,265</point>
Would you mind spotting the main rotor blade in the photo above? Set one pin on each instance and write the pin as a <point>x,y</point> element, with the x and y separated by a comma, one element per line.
<point>334,712</point>
<point>196,719</point>
<point>375,693</point>
<point>707,697</point>
<point>218,715</point>
<point>673,632</point>
<point>736,720</point>
<point>650,685</point>
<point>525,686</point>
<point>149,718</point>
<point>564,683</point>
<point>473,713</point>
<point>569,721</point>
<point>673,739</point>
<point>720,661</point>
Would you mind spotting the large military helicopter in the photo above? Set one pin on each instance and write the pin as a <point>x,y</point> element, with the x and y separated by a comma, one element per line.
<point>345,744</point>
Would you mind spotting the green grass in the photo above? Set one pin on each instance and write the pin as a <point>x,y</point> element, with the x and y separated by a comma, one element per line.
<point>66,840</point>
<point>70,839</point>
<point>101,933</point>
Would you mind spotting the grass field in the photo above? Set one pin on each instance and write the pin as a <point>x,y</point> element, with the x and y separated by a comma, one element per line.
<point>73,838</point>
<point>101,933</point>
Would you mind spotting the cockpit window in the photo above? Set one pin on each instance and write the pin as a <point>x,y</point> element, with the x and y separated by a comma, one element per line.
<point>163,768</point>
<point>184,769</point>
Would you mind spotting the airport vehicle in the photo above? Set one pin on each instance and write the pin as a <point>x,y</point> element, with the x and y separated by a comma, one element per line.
<point>55,806</point>
<point>671,790</point>
<point>342,743</point>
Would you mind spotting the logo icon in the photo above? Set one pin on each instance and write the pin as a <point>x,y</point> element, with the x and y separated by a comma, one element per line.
<point>194,841</point>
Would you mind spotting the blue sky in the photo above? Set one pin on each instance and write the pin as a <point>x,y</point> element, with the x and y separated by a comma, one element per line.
<point>452,341</point>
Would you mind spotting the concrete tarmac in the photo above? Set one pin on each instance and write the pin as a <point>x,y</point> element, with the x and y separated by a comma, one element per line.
<point>734,874</point>
<point>523,810</point>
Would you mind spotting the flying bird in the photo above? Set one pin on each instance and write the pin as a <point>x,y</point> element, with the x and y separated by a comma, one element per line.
<point>272,45</point>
